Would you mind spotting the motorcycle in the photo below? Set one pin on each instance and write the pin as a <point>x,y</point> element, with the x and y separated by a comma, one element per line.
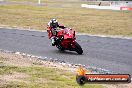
<point>66,40</point>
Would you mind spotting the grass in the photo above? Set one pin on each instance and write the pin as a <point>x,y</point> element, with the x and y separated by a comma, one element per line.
<point>41,77</point>
<point>69,13</point>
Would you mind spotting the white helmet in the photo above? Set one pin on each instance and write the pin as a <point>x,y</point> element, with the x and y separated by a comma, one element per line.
<point>53,23</point>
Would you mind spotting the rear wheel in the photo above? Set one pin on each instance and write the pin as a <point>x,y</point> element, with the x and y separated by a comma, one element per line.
<point>78,48</point>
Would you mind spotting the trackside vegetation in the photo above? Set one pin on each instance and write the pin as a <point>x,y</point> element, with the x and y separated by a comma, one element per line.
<point>28,14</point>
<point>36,75</point>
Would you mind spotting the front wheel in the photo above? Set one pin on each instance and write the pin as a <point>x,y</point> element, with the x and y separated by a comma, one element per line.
<point>60,47</point>
<point>78,48</point>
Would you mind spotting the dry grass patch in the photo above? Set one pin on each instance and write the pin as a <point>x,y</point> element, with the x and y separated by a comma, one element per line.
<point>71,14</point>
<point>24,72</point>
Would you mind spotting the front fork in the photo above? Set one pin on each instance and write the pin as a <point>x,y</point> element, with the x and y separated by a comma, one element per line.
<point>73,44</point>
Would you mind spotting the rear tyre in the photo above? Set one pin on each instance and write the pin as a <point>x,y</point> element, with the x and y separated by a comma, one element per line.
<point>78,48</point>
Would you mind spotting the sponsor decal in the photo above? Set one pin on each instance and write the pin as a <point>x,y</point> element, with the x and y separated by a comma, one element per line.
<point>83,78</point>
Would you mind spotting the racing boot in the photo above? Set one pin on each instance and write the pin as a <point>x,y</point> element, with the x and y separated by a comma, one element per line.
<point>53,41</point>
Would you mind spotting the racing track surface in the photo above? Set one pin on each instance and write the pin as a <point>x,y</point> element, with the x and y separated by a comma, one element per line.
<point>113,54</point>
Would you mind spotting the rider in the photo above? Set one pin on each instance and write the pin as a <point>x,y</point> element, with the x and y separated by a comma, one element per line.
<point>53,25</point>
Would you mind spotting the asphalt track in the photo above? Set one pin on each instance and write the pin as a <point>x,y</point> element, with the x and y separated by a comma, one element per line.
<point>114,54</point>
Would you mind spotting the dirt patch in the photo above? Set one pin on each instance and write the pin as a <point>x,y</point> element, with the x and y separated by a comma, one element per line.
<point>43,80</point>
<point>16,60</point>
<point>22,60</point>
<point>14,77</point>
<point>118,85</point>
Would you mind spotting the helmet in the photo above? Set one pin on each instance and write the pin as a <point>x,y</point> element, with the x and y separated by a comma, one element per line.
<point>53,23</point>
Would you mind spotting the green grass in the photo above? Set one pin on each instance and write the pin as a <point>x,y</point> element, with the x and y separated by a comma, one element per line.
<point>7,69</point>
<point>82,20</point>
<point>52,78</point>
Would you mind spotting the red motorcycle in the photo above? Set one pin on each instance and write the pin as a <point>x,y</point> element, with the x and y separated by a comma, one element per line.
<point>65,40</point>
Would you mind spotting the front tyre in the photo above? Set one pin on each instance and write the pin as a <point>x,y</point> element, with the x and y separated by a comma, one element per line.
<point>78,48</point>
<point>60,47</point>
